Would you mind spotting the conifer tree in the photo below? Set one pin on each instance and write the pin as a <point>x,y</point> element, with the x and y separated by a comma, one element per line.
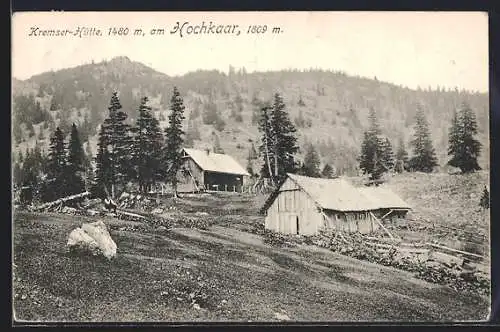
<point>424,156</point>
<point>103,174</point>
<point>485,199</point>
<point>174,139</point>
<point>401,157</point>
<point>75,163</point>
<point>387,154</point>
<point>328,172</point>
<point>147,146</point>
<point>117,137</point>
<point>266,148</point>
<point>311,162</point>
<point>371,160</point>
<point>463,147</point>
<point>56,164</point>
<point>283,139</point>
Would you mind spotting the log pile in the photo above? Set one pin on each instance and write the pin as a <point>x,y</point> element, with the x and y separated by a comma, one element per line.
<point>425,260</point>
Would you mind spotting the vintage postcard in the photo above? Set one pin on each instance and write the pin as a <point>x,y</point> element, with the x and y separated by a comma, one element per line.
<point>250,167</point>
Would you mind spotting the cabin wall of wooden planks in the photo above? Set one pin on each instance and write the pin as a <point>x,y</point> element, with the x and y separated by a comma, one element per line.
<point>292,208</point>
<point>295,212</point>
<point>351,221</point>
<point>186,182</point>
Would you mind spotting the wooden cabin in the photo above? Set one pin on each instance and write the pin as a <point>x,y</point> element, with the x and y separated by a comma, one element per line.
<point>305,205</point>
<point>203,170</point>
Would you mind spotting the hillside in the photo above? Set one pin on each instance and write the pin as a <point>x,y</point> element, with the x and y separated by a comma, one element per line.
<point>329,108</point>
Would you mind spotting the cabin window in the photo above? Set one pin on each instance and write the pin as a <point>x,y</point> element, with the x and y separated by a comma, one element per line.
<point>297,222</point>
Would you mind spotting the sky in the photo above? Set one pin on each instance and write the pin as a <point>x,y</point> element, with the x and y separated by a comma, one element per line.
<point>449,49</point>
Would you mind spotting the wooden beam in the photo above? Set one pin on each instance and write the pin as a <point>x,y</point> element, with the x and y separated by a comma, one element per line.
<point>380,224</point>
<point>437,246</point>
<point>385,215</point>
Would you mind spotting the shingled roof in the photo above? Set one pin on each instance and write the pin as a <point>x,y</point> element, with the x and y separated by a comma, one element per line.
<point>216,162</point>
<point>340,195</point>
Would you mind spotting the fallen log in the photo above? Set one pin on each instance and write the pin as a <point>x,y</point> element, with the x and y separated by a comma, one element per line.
<point>130,214</point>
<point>61,201</point>
<point>464,253</point>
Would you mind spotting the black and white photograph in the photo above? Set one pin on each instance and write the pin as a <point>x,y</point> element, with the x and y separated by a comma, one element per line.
<point>250,167</point>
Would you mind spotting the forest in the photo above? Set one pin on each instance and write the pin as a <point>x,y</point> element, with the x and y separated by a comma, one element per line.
<point>331,124</point>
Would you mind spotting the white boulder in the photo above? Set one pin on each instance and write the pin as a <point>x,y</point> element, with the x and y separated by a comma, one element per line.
<point>93,237</point>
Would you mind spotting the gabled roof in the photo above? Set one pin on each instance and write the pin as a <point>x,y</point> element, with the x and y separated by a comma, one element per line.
<point>384,198</point>
<point>216,162</point>
<point>340,195</point>
<point>333,194</point>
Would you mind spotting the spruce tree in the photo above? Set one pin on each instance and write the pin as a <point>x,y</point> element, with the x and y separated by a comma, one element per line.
<point>147,146</point>
<point>284,141</point>
<point>56,165</point>
<point>103,174</point>
<point>311,162</point>
<point>327,172</point>
<point>401,157</point>
<point>75,163</point>
<point>117,134</point>
<point>174,139</point>
<point>387,154</point>
<point>485,199</point>
<point>463,147</point>
<point>372,158</point>
<point>266,148</point>
<point>424,156</point>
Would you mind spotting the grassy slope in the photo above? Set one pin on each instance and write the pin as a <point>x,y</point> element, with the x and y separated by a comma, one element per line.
<point>447,204</point>
<point>230,273</point>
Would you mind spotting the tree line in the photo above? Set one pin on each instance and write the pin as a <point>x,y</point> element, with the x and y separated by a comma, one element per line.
<point>138,152</point>
<point>278,148</point>
<point>377,158</point>
<point>142,153</point>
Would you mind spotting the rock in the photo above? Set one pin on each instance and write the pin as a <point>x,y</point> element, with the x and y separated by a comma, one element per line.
<point>281,316</point>
<point>93,238</point>
<point>161,229</point>
<point>196,306</point>
<point>157,211</point>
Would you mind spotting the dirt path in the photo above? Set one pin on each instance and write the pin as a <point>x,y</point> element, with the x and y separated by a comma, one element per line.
<point>216,275</point>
